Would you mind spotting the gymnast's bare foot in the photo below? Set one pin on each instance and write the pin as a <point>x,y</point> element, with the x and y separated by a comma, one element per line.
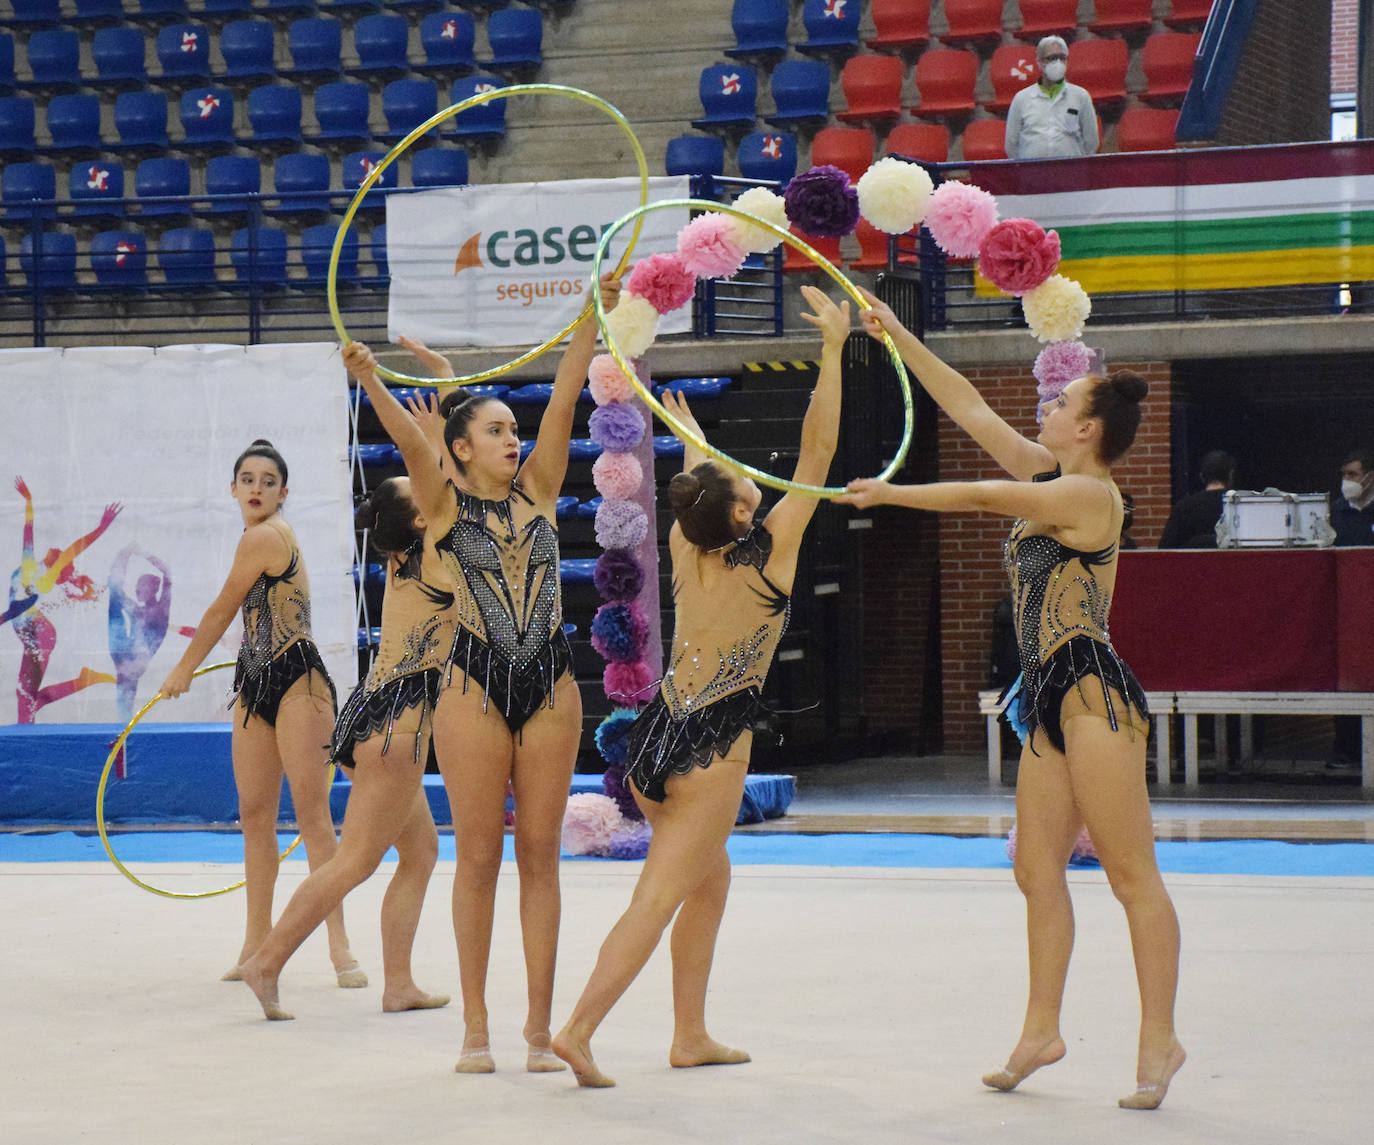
<point>475,1056</point>
<point>264,987</point>
<point>1026,1058</point>
<point>348,973</point>
<point>539,1055</point>
<point>410,997</point>
<point>578,1054</point>
<point>233,974</point>
<point>1149,1093</point>
<point>686,1053</point>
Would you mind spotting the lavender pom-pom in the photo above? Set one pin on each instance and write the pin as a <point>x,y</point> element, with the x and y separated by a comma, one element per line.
<point>618,576</point>
<point>619,631</point>
<point>821,202</point>
<point>630,841</point>
<point>618,427</point>
<point>621,525</point>
<point>613,784</point>
<point>610,736</point>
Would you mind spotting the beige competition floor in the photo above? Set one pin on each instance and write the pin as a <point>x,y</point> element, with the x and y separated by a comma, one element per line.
<point>871,1001</point>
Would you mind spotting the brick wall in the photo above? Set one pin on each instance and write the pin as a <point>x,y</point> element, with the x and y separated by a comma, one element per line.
<point>1282,89</point>
<point>1345,29</point>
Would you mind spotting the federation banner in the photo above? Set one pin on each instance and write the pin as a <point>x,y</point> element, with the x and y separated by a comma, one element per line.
<point>508,265</point>
<point>127,453</point>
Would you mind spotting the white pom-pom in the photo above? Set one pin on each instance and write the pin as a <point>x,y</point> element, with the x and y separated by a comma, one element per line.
<point>763,204</point>
<point>1056,309</point>
<point>893,195</point>
<point>633,324</point>
<point>589,821</point>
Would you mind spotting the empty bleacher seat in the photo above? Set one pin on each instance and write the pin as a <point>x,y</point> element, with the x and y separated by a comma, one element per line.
<point>207,117</point>
<point>486,120</point>
<point>236,175</point>
<point>848,148</point>
<point>162,176</point>
<point>873,247</point>
<point>159,11</point>
<point>900,24</point>
<point>1047,18</point>
<point>357,167</point>
<point>1012,67</point>
<point>141,119</point>
<point>414,5</point>
<point>446,39</point>
<point>17,118</point>
<point>1147,129</point>
<point>801,92</point>
<point>832,27</point>
<point>1099,66</point>
<point>274,111</point>
<point>119,258</point>
<point>794,262</point>
<point>48,260</point>
<point>516,36</point>
<point>1122,16</point>
<point>439,167</point>
<point>97,12</point>
<point>249,49</point>
<point>695,388</point>
<point>694,155</point>
<point>183,50</point>
<point>6,63</point>
<point>770,155</point>
<point>985,139</point>
<point>760,28</point>
<point>380,40</point>
<point>187,256</point>
<point>35,13</point>
<point>284,8</point>
<point>872,88</point>
<point>1188,13</point>
<point>118,57</point>
<point>407,104</point>
<point>973,21</point>
<point>341,110</point>
<point>96,188</point>
<point>316,46</point>
<point>347,6</point>
<point>1167,59</point>
<point>945,78</point>
<point>317,244</point>
<point>258,256</point>
<point>303,181</point>
<point>54,58</point>
<point>728,95</point>
<point>926,141</point>
<point>22,184</point>
<point>74,122</point>
<point>219,11</point>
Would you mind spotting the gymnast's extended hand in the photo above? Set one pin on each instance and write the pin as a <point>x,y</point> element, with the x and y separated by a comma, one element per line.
<point>865,492</point>
<point>433,361</point>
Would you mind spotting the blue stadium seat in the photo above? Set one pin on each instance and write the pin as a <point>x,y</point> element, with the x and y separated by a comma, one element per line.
<point>22,184</point>
<point>159,12</point>
<point>832,27</point>
<point>316,45</point>
<point>358,165</point>
<point>801,92</point>
<point>120,258</point>
<point>287,8</point>
<point>516,36</point>
<point>695,388</point>
<point>563,508</point>
<point>258,255</point>
<point>207,118</point>
<point>183,50</point>
<point>74,122</point>
<point>35,13</point>
<point>274,111</point>
<point>303,181</point>
<point>728,96</point>
<point>486,120</point>
<point>407,104</point>
<point>439,167</point>
<point>141,120</point>
<point>249,49</point>
<point>587,510</point>
<point>96,188</point>
<point>97,12</point>
<point>159,176</point>
<point>377,248</point>
<point>50,263</point>
<point>770,155</point>
<point>760,28</point>
<point>666,445</point>
<point>118,57</point>
<point>221,10</point>
<point>317,244</point>
<point>414,5</point>
<point>16,124</point>
<point>54,59</point>
<point>187,256</point>
<point>341,110</point>
<point>350,5</point>
<point>695,155</point>
<point>381,40</point>
<point>239,175</point>
<point>6,63</point>
<point>482,5</point>
<point>447,39</point>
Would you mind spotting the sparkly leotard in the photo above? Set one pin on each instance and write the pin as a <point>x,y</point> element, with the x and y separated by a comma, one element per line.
<point>724,640</point>
<point>508,604</point>
<point>277,649</point>
<point>417,638</point>
<point>1062,597</point>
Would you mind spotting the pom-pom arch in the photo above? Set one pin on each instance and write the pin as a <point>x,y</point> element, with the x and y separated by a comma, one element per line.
<point>823,492</point>
<point>575,93</point>
<point>100,806</point>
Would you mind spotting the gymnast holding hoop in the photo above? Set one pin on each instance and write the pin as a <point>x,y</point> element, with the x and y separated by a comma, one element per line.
<point>689,748</point>
<point>284,699</point>
<point>1083,712</point>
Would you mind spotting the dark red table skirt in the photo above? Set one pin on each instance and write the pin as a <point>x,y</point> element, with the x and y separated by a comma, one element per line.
<point>1247,620</point>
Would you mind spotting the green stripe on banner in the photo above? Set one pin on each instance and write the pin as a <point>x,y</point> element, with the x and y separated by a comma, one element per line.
<point>1218,236</point>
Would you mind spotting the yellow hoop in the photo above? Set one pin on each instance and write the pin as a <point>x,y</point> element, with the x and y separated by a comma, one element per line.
<point>396,152</point>
<point>819,491</point>
<point>100,806</point>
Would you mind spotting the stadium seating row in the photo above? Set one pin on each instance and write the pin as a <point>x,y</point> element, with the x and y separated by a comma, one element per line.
<point>48,13</point>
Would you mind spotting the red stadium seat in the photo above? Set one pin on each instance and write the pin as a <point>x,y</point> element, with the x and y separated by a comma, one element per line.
<point>1100,66</point>
<point>848,148</point>
<point>900,24</point>
<point>1123,16</point>
<point>872,247</point>
<point>794,261</point>
<point>1189,13</point>
<point>985,139</point>
<point>1146,129</point>
<point>1047,18</point>
<point>945,77</point>
<point>927,141</point>
<point>1167,58</point>
<point>973,21</point>
<point>872,88</point>
<point>1013,67</point>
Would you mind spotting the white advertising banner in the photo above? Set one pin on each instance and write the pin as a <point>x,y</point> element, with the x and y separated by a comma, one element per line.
<point>508,265</point>
<point>128,453</point>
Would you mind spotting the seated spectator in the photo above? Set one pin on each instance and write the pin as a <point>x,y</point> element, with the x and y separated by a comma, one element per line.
<point>1052,119</point>
<point>1352,509</point>
<point>1193,521</point>
<point>1127,520</point>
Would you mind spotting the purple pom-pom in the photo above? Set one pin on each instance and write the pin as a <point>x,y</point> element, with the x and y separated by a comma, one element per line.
<point>614,786</point>
<point>621,525</point>
<point>630,841</point>
<point>610,736</point>
<point>1060,363</point>
<point>619,631</point>
<point>821,202</point>
<point>618,427</point>
<point>617,575</point>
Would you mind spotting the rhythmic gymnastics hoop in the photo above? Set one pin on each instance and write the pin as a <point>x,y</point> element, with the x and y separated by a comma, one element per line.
<point>823,492</point>
<point>575,93</point>
<point>100,807</point>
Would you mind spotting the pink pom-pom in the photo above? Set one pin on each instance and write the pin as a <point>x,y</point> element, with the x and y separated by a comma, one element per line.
<point>620,524</point>
<point>959,218</point>
<point>1011,843</point>
<point>709,246</point>
<point>1084,847</point>
<point>607,381</point>
<point>1060,363</point>
<point>617,475</point>
<point>629,683</point>
<point>663,281</point>
<point>589,823</point>
<point>1018,255</point>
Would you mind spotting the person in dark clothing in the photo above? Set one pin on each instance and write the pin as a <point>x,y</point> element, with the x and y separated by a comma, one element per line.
<point>1352,509</point>
<point>1193,521</point>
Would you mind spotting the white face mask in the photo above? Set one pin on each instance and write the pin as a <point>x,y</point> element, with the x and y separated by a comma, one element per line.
<point>1054,70</point>
<point>1352,490</point>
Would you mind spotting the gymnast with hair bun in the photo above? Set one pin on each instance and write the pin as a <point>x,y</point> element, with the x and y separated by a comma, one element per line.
<point>284,699</point>
<point>689,748</point>
<point>1084,715</point>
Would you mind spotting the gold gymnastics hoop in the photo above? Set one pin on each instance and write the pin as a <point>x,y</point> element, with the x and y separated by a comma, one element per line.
<point>100,807</point>
<point>396,152</point>
<point>823,492</point>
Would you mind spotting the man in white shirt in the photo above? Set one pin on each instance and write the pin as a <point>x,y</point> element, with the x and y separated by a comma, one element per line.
<point>1052,119</point>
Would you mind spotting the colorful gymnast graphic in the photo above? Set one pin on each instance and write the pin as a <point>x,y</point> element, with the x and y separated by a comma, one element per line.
<point>137,622</point>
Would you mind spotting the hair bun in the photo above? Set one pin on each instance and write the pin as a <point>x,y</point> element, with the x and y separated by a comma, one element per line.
<point>1129,385</point>
<point>365,515</point>
<point>263,441</point>
<point>683,491</point>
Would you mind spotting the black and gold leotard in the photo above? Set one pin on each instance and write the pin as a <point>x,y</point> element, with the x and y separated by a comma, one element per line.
<point>724,640</point>
<point>1062,597</point>
<point>508,604</point>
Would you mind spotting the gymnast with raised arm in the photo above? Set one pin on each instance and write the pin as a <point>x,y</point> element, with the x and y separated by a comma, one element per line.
<point>1084,715</point>
<point>689,748</point>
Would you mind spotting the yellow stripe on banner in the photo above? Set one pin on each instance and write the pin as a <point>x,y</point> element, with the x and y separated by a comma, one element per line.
<point>1226,271</point>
